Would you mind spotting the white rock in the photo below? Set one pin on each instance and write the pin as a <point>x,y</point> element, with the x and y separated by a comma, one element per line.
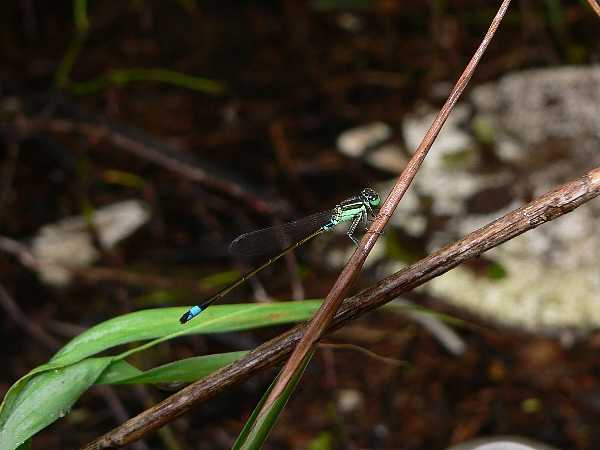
<point>356,141</point>
<point>69,243</point>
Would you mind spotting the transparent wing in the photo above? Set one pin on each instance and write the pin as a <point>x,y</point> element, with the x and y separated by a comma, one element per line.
<point>278,238</point>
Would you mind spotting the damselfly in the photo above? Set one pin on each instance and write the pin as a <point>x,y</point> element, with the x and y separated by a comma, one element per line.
<point>290,235</point>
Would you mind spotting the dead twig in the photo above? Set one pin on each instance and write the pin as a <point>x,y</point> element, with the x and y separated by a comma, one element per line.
<point>24,127</point>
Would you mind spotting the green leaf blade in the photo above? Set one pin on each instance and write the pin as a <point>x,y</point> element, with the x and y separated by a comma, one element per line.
<point>46,397</point>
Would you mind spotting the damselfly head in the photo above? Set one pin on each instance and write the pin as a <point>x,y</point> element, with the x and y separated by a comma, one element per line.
<point>371,196</point>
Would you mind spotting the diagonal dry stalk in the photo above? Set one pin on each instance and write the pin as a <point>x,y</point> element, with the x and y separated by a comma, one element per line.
<point>323,317</point>
<point>543,209</point>
<point>595,6</point>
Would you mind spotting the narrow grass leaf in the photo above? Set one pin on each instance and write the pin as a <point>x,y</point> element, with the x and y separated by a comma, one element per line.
<point>187,370</point>
<point>260,423</point>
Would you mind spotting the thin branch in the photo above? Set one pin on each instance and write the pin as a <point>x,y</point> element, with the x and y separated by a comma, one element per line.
<point>158,154</point>
<point>95,274</point>
<point>30,327</point>
<point>364,351</point>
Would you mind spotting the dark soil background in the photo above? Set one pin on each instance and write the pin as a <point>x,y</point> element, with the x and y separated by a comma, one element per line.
<point>295,78</point>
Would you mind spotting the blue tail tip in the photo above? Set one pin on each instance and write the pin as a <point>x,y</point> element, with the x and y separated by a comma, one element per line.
<point>190,314</point>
